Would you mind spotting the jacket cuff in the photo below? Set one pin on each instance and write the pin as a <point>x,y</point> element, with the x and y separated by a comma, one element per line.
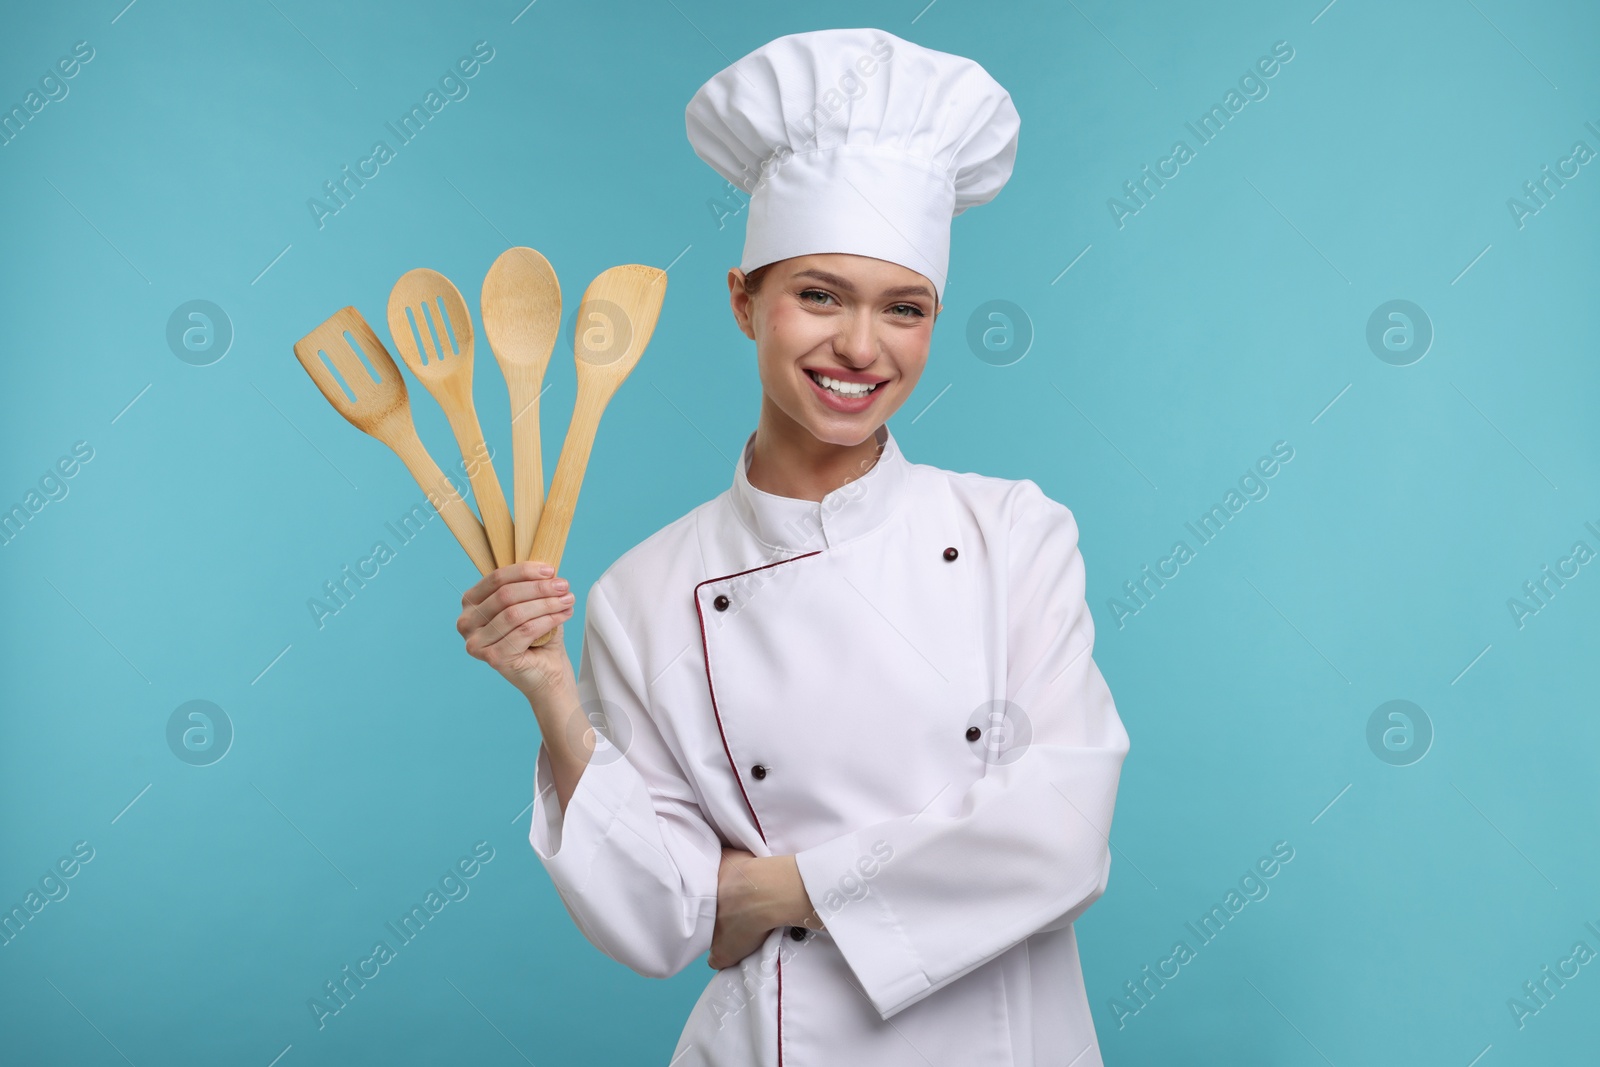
<point>566,843</point>
<point>863,925</point>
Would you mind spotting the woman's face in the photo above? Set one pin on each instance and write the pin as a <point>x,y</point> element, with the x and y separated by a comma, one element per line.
<point>851,318</point>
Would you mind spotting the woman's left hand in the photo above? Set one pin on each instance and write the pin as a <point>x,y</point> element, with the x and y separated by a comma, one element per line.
<point>755,894</point>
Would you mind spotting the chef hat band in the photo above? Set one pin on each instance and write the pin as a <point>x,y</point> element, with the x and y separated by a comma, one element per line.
<point>855,141</point>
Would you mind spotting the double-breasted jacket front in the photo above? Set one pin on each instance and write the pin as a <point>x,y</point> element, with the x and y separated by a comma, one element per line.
<point>895,685</point>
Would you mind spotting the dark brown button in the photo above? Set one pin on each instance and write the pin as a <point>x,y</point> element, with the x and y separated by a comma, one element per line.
<point>721,603</point>
<point>951,553</point>
<point>758,771</point>
<point>973,733</point>
<point>797,932</point>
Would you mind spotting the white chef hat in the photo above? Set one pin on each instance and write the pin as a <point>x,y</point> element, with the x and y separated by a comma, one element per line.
<point>855,141</point>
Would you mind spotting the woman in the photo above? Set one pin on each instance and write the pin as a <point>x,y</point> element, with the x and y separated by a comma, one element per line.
<point>851,742</point>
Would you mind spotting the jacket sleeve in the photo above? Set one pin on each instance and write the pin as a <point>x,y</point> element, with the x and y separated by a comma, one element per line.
<point>632,857</point>
<point>1027,849</point>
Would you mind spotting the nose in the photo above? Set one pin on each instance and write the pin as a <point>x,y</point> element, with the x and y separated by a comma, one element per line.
<point>855,344</point>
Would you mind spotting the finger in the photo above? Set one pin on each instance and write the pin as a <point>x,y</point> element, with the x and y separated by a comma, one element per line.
<point>520,607</point>
<point>517,636</point>
<point>514,631</point>
<point>513,572</point>
<point>518,592</point>
<point>518,640</point>
<point>507,596</point>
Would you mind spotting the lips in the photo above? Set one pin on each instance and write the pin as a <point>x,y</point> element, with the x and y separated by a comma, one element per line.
<point>816,378</point>
<point>853,377</point>
<point>848,405</point>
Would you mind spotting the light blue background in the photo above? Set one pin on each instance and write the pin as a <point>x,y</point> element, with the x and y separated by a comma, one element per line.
<point>1228,314</point>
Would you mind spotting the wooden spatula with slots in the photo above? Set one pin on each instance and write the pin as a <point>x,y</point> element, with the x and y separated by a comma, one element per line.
<point>445,370</point>
<point>616,317</point>
<point>382,409</point>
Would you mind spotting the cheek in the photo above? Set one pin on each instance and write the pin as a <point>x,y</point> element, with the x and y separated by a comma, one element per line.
<point>910,352</point>
<point>786,336</point>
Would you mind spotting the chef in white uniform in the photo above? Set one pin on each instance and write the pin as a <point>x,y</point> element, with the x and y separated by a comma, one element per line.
<point>866,727</point>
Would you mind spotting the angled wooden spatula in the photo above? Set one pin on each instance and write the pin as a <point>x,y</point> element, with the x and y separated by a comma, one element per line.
<point>521,305</point>
<point>616,317</point>
<point>440,316</point>
<point>382,409</point>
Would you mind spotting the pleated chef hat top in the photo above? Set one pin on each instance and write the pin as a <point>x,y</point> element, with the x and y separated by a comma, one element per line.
<point>855,140</point>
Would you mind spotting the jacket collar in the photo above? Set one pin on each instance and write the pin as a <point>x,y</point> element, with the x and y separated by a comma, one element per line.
<point>858,507</point>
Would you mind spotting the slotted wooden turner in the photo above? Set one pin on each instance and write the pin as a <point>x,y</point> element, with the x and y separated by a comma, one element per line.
<point>447,374</point>
<point>382,409</point>
<point>616,317</point>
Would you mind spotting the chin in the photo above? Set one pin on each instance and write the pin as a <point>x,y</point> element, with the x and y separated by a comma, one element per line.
<point>843,437</point>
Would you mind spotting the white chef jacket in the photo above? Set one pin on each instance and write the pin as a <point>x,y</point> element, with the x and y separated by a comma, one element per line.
<point>798,677</point>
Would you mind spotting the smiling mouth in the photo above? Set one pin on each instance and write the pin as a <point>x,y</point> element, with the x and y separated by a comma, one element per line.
<point>853,395</point>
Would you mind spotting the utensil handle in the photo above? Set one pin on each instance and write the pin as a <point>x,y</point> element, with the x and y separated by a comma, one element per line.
<point>443,497</point>
<point>527,471</point>
<point>555,521</point>
<point>485,483</point>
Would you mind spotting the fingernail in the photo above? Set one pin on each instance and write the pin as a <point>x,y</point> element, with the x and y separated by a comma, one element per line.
<point>546,570</point>
<point>561,583</point>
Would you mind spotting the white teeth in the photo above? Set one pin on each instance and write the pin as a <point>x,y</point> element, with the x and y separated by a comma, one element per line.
<point>851,390</point>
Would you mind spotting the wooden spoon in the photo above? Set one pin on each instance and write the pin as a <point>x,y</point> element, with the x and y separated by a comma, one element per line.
<point>521,305</point>
<point>616,317</point>
<point>382,409</point>
<point>447,374</point>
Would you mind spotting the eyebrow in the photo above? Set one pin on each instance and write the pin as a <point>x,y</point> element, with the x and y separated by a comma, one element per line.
<point>843,283</point>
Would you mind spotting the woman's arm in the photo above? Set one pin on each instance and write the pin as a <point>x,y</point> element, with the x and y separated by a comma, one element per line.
<point>568,756</point>
<point>501,616</point>
<point>619,833</point>
<point>756,895</point>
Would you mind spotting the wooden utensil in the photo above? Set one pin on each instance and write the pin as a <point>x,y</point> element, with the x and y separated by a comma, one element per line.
<point>521,306</point>
<point>616,317</point>
<point>446,372</point>
<point>382,409</point>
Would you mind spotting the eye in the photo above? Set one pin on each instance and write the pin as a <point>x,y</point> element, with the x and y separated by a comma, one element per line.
<point>914,308</point>
<point>820,292</point>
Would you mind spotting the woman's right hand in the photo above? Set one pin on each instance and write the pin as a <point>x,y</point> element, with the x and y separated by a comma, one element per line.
<point>510,608</point>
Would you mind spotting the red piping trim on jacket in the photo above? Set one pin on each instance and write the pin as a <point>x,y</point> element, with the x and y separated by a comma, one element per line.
<point>705,652</point>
